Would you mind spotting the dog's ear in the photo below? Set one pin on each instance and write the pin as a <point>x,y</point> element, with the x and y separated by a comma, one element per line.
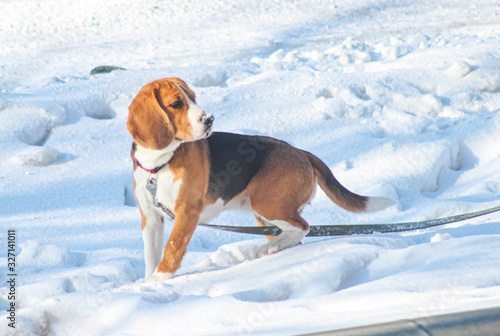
<point>180,83</point>
<point>148,124</point>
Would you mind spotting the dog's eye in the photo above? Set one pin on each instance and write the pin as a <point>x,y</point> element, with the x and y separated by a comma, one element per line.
<point>177,105</point>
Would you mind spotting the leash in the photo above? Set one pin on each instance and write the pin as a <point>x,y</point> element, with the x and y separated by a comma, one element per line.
<point>351,229</point>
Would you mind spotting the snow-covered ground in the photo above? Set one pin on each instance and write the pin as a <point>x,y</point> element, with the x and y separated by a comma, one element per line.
<point>399,98</point>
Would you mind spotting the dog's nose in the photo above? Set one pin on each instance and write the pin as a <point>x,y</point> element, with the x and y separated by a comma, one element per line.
<point>207,119</point>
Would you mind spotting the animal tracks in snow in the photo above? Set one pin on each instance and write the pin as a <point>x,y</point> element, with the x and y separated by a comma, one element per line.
<point>98,108</point>
<point>39,120</point>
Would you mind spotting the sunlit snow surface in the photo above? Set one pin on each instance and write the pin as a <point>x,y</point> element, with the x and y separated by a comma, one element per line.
<point>399,98</point>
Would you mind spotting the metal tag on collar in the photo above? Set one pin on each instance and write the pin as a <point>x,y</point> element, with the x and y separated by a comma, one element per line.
<point>151,185</point>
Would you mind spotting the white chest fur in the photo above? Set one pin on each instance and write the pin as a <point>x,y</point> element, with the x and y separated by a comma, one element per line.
<point>167,190</point>
<point>166,193</point>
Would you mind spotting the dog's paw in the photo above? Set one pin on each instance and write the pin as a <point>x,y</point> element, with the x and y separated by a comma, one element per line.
<point>267,249</point>
<point>273,247</point>
<point>158,277</point>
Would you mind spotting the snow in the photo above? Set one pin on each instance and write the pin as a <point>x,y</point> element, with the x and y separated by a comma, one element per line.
<point>400,99</point>
<point>39,156</point>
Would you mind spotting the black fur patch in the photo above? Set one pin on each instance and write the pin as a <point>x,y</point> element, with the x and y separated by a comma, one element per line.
<point>234,161</point>
<point>132,150</point>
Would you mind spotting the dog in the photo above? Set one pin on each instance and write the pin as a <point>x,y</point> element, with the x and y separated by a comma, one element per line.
<point>184,171</point>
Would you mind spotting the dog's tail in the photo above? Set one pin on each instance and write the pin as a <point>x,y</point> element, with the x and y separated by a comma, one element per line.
<point>340,195</point>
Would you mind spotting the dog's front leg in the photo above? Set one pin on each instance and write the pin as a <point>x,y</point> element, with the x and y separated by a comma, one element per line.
<point>152,237</point>
<point>186,219</point>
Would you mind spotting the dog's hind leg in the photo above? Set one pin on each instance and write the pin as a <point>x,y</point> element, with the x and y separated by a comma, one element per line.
<point>293,230</point>
<point>262,222</point>
<point>278,194</point>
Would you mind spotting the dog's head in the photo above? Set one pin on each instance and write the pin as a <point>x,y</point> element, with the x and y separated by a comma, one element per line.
<point>164,110</point>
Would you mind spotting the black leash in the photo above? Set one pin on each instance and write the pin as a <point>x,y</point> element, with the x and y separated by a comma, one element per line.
<point>350,229</point>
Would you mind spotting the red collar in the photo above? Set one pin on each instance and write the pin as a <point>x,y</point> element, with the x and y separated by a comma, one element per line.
<point>150,171</point>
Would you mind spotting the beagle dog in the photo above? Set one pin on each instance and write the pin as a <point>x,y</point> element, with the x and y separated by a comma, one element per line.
<point>184,171</point>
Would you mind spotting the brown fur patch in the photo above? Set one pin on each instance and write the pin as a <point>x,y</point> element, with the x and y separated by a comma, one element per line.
<point>290,174</point>
<point>152,121</point>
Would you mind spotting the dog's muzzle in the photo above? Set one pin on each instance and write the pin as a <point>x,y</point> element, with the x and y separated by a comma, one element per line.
<point>207,119</point>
